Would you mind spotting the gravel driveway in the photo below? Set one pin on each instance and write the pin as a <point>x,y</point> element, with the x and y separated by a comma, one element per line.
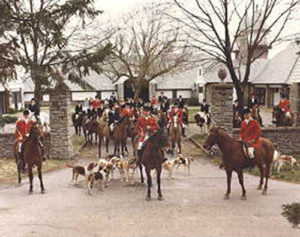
<point>193,206</point>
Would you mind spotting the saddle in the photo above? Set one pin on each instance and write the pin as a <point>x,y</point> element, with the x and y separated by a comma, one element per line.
<point>245,147</point>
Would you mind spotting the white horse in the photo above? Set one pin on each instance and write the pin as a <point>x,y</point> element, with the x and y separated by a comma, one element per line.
<point>203,121</point>
<point>44,120</point>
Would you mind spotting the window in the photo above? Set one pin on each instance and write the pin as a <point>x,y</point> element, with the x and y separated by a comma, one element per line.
<point>200,89</point>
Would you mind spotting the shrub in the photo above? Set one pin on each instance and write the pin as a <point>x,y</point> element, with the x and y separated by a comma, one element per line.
<point>292,213</point>
<point>7,120</point>
<point>12,111</point>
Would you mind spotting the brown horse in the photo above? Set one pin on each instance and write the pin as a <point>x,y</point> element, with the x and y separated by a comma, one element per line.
<point>280,119</point>
<point>132,132</point>
<point>175,132</point>
<point>152,158</point>
<point>234,159</point>
<point>255,113</point>
<point>32,156</point>
<point>120,135</point>
<point>103,132</point>
<point>91,127</point>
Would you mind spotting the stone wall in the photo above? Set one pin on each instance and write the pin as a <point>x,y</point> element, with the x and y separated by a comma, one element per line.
<point>287,139</point>
<point>61,125</point>
<point>7,141</point>
<point>295,103</point>
<point>219,96</point>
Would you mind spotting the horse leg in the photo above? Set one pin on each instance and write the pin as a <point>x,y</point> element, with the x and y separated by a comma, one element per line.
<point>133,148</point>
<point>229,175</point>
<point>41,179</point>
<point>173,147</point>
<point>241,181</point>
<point>158,173</point>
<point>30,174</point>
<point>261,182</point>
<point>267,174</point>
<point>179,146</point>
<point>149,182</point>
<point>107,144</point>
<point>139,163</point>
<point>99,148</point>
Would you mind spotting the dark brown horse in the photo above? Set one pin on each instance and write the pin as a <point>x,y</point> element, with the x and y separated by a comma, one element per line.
<point>152,158</point>
<point>280,119</point>
<point>234,159</point>
<point>32,156</point>
<point>255,113</point>
<point>120,135</point>
<point>78,121</point>
<point>91,127</point>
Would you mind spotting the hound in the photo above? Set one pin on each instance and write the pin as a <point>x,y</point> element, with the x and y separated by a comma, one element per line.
<point>169,165</point>
<point>124,166</point>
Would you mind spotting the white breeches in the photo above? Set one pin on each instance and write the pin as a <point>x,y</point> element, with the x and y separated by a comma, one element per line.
<point>251,152</point>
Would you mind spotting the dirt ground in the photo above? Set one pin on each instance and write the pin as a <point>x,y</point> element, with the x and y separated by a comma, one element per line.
<point>193,206</point>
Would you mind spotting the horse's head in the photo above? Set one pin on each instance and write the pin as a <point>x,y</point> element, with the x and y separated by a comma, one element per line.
<point>212,138</point>
<point>161,138</point>
<point>36,130</point>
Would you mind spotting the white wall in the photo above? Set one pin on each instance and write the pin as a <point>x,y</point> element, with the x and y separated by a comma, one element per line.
<point>80,96</point>
<point>186,94</point>
<point>106,94</point>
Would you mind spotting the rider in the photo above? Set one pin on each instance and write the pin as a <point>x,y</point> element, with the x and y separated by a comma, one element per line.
<point>146,126</point>
<point>113,116</point>
<point>250,133</point>
<point>126,111</point>
<point>22,130</point>
<point>35,109</point>
<point>252,101</point>
<point>175,111</point>
<point>180,102</point>
<point>284,105</point>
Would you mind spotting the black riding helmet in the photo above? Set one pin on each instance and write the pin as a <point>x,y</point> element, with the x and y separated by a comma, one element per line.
<point>26,112</point>
<point>246,111</point>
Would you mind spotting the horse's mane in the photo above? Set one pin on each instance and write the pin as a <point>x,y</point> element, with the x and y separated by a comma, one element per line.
<point>226,136</point>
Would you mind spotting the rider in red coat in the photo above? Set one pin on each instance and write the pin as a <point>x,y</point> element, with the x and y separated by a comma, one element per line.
<point>146,126</point>
<point>127,111</point>
<point>250,132</point>
<point>284,104</point>
<point>23,127</point>
<point>179,113</point>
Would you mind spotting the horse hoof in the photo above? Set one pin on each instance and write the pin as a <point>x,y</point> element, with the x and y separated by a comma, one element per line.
<point>264,192</point>
<point>259,187</point>
<point>148,198</point>
<point>30,192</point>
<point>226,196</point>
<point>43,191</point>
<point>160,198</point>
<point>244,197</point>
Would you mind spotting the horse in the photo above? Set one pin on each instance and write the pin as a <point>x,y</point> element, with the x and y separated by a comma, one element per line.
<point>162,119</point>
<point>103,132</point>
<point>175,132</point>
<point>234,158</point>
<point>132,133</point>
<point>280,119</point>
<point>90,127</point>
<point>152,157</point>
<point>32,156</point>
<point>203,120</point>
<point>120,135</point>
<point>255,113</point>
<point>78,120</point>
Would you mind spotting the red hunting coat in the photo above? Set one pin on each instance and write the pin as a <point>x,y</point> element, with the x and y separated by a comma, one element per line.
<point>285,105</point>
<point>250,133</point>
<point>22,129</point>
<point>179,115</point>
<point>96,103</point>
<point>126,112</point>
<point>144,124</point>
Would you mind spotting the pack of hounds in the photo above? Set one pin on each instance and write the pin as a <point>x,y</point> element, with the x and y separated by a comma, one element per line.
<point>102,171</point>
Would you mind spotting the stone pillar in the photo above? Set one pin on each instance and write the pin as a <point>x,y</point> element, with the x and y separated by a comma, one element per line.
<point>61,146</point>
<point>219,96</point>
<point>295,102</point>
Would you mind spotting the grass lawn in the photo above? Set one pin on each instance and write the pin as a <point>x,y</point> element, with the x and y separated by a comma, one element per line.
<point>286,173</point>
<point>8,169</point>
<point>192,111</point>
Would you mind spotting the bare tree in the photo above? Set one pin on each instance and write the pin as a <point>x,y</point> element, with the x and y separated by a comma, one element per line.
<point>147,45</point>
<point>217,27</point>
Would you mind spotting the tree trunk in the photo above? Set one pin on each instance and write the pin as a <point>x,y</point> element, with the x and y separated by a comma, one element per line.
<point>38,92</point>
<point>6,100</point>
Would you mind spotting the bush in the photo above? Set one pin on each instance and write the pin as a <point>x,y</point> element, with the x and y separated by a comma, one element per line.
<point>12,111</point>
<point>292,213</point>
<point>7,120</point>
<point>193,101</point>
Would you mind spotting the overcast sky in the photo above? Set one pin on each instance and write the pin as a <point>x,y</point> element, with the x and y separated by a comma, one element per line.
<point>114,8</point>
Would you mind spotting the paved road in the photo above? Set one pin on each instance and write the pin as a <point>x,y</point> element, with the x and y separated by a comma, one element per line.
<point>193,206</point>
